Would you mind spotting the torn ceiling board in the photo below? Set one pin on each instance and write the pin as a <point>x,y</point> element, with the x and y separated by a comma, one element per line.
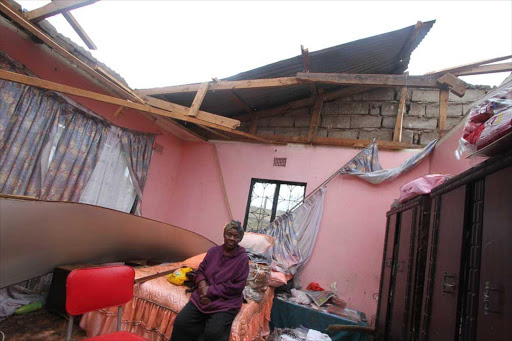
<point>38,235</point>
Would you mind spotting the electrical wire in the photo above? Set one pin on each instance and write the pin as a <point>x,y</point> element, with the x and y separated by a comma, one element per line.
<point>3,335</point>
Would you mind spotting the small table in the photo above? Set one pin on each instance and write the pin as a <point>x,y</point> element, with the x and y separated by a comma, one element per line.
<point>287,314</point>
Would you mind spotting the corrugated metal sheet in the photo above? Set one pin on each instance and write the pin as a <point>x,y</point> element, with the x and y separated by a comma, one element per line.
<point>379,54</point>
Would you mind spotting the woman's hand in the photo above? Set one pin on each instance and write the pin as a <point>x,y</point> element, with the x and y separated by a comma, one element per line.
<point>202,286</point>
<point>205,300</point>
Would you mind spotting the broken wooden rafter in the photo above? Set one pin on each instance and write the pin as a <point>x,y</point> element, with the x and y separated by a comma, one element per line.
<point>198,100</point>
<point>456,85</point>
<point>19,19</point>
<point>397,134</point>
<point>306,61</point>
<point>484,69</point>
<point>222,85</point>
<point>55,7</point>
<point>202,115</point>
<point>79,30</point>
<point>177,112</point>
<point>315,118</point>
<point>407,48</point>
<point>461,68</point>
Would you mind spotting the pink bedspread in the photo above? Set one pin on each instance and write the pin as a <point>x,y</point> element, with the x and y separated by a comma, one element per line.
<point>156,303</point>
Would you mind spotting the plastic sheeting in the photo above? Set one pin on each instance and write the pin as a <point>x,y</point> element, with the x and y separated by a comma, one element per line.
<point>366,165</point>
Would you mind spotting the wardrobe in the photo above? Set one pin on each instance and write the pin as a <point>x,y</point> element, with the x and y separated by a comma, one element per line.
<point>447,264</point>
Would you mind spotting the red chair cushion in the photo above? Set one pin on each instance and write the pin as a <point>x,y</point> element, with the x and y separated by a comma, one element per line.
<point>119,336</point>
<point>91,289</point>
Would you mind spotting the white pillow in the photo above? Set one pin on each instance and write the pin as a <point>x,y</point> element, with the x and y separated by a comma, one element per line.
<point>257,242</point>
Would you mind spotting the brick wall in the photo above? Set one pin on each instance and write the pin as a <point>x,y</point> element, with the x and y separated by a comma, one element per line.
<point>372,115</point>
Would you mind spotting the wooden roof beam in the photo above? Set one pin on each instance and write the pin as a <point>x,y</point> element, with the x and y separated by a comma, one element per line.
<point>198,100</point>
<point>15,16</point>
<point>176,113</point>
<point>201,115</point>
<point>370,80</point>
<point>222,85</point>
<point>79,30</point>
<point>465,67</point>
<point>54,8</point>
<point>342,142</point>
<point>483,69</point>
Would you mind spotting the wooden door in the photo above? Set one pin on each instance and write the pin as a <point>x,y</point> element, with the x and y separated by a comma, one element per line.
<point>495,298</point>
<point>401,283</point>
<point>443,270</point>
<point>387,263</point>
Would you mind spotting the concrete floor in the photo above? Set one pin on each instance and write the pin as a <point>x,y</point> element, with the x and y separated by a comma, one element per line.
<point>39,326</point>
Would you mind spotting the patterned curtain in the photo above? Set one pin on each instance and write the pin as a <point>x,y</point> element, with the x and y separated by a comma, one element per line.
<point>138,148</point>
<point>75,155</point>
<point>27,117</point>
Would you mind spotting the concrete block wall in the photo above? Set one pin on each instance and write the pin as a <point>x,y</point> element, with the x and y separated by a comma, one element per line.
<point>372,114</point>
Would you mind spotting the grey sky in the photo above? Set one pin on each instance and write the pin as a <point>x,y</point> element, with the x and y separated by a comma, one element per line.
<point>158,43</point>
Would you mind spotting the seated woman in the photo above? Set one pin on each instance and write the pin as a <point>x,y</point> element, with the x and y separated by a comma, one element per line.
<point>220,281</point>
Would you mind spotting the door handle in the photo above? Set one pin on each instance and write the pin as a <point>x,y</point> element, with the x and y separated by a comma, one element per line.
<point>487,298</point>
<point>449,288</point>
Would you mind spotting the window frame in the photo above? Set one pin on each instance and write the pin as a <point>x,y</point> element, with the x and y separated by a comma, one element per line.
<point>276,197</point>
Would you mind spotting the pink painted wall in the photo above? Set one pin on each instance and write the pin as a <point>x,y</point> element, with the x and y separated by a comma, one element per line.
<point>443,158</point>
<point>350,242</point>
<point>49,66</point>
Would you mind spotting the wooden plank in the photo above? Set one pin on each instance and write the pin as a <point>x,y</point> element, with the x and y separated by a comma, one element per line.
<point>198,100</point>
<point>341,142</point>
<point>465,67</point>
<point>54,8</point>
<point>315,118</point>
<point>222,85</point>
<point>483,69</point>
<point>202,115</point>
<point>397,135</point>
<point>443,110</point>
<point>79,30</point>
<point>13,14</point>
<point>369,79</point>
<point>18,78</point>
<point>456,85</point>
<point>118,111</point>
<point>254,125</point>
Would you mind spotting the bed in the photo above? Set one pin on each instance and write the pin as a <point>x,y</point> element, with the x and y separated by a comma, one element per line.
<point>156,303</point>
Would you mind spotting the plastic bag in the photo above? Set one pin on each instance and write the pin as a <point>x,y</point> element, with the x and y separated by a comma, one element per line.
<point>422,185</point>
<point>179,276</point>
<point>483,125</point>
<point>257,281</point>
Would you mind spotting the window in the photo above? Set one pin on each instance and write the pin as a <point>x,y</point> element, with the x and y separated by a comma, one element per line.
<point>269,199</point>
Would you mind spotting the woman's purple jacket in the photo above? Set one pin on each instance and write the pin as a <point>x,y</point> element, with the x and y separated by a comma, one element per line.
<point>226,276</point>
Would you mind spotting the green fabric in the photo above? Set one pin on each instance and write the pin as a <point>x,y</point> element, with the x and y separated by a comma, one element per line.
<point>290,315</point>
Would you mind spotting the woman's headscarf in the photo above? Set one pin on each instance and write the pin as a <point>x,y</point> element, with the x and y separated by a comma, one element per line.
<point>236,225</point>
